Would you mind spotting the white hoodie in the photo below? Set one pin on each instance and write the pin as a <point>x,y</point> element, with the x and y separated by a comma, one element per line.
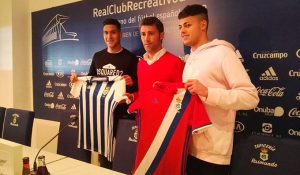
<point>217,66</point>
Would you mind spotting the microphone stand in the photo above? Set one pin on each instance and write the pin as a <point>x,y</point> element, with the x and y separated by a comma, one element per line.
<point>34,163</point>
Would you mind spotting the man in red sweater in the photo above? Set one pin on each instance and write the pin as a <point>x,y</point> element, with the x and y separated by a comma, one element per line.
<point>157,64</point>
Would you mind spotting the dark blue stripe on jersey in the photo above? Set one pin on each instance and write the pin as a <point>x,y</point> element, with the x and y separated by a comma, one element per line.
<point>96,91</point>
<point>170,132</point>
<point>81,119</point>
<point>87,118</point>
<point>102,115</point>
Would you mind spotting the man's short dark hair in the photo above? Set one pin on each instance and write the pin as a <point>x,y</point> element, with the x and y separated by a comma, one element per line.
<point>111,21</point>
<point>153,21</point>
<point>194,10</point>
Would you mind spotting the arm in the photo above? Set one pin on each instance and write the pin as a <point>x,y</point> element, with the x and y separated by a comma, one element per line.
<point>240,92</point>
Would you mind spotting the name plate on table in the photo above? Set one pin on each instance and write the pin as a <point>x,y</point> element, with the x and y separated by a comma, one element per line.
<point>10,158</point>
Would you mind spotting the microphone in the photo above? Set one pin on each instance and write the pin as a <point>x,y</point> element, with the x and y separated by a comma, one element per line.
<point>73,120</point>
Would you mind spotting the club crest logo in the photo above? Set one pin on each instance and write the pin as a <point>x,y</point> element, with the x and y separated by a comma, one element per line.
<point>178,104</point>
<point>14,121</point>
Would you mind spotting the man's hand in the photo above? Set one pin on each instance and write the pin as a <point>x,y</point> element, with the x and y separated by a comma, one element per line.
<point>73,78</point>
<point>128,80</point>
<point>195,87</point>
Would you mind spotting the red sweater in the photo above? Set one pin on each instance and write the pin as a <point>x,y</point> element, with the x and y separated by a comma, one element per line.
<point>168,68</point>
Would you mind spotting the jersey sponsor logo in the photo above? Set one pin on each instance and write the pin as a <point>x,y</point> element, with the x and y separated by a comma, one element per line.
<point>49,105</point>
<point>269,74</point>
<point>293,132</point>
<point>73,62</point>
<point>276,112</point>
<point>60,106</point>
<point>14,121</point>
<point>270,55</point>
<point>294,73</point>
<point>60,96</point>
<point>48,74</point>
<point>59,62</point>
<point>272,92</point>
<point>73,107</point>
<point>48,63</point>
<point>87,62</point>
<point>60,74</point>
<point>109,70</point>
<point>134,135</point>
<point>239,126</point>
<point>49,84</point>
<point>60,84</point>
<point>294,112</point>
<point>72,123</point>
<point>264,158</point>
<point>71,96</point>
<point>242,113</point>
<point>49,94</point>
<point>267,128</point>
<point>84,73</point>
<point>240,55</point>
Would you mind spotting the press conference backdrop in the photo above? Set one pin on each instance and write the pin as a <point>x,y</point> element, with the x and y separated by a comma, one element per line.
<point>266,34</point>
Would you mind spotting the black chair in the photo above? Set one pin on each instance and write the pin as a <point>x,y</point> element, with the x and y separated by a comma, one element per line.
<point>2,113</point>
<point>261,155</point>
<point>126,143</point>
<point>17,126</point>
<point>67,139</point>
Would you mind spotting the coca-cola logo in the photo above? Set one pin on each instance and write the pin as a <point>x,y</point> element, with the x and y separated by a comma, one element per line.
<point>294,112</point>
<point>49,94</point>
<point>61,106</point>
<point>272,92</point>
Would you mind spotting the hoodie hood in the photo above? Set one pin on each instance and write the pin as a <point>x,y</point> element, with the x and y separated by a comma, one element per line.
<point>214,43</point>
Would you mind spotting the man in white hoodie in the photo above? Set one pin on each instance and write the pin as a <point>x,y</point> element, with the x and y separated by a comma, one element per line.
<point>214,72</point>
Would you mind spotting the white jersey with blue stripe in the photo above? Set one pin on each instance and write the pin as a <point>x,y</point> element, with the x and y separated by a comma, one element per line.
<point>98,99</point>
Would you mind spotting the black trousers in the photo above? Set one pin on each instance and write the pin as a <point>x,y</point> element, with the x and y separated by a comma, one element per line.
<point>199,167</point>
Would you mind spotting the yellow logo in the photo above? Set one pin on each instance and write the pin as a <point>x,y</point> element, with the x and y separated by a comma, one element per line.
<point>264,154</point>
<point>14,121</point>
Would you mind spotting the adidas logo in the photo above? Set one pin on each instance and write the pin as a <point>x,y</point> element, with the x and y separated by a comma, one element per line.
<point>73,107</point>
<point>60,96</point>
<point>48,84</point>
<point>269,74</point>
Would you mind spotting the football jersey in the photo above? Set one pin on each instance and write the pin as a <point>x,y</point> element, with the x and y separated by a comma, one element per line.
<point>98,99</point>
<point>169,115</point>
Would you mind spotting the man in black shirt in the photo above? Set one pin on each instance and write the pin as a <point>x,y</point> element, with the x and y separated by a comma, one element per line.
<point>114,61</point>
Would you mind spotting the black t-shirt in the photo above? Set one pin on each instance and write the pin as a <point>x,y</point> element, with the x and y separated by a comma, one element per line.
<point>116,64</point>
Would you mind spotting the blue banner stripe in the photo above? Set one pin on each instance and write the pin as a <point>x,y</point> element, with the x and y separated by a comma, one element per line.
<point>170,133</point>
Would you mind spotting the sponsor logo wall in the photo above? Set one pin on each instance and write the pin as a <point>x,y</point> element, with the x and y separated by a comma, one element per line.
<point>64,41</point>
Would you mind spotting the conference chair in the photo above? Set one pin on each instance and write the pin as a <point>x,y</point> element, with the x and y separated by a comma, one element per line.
<point>125,149</point>
<point>261,155</point>
<point>17,126</point>
<point>67,138</point>
<point>2,113</point>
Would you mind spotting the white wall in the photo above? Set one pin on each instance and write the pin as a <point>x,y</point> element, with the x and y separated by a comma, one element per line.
<point>15,50</point>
